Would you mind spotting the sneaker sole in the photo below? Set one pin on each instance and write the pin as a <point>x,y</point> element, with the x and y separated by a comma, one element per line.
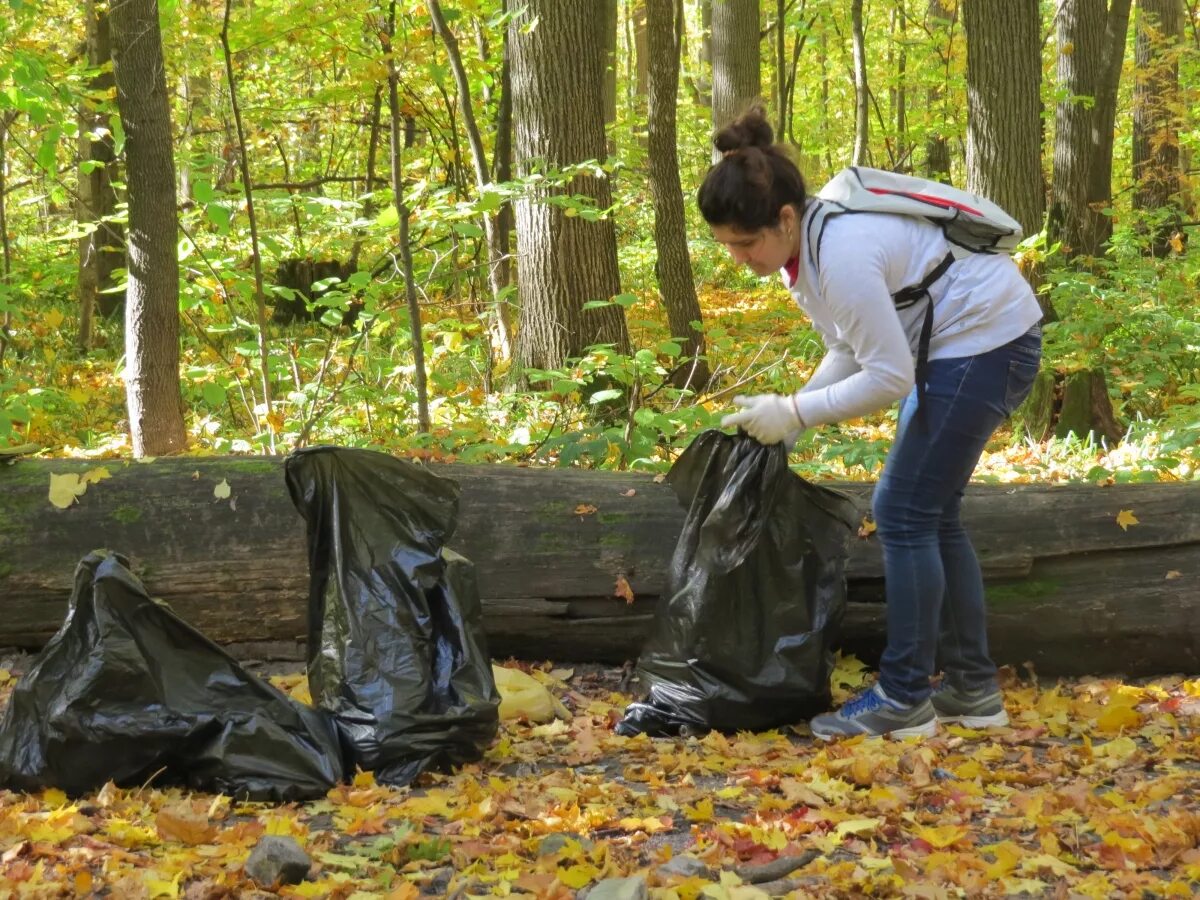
<point>996,720</point>
<point>929,729</point>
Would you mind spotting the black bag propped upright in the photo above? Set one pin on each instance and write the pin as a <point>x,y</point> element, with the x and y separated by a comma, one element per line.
<point>744,638</point>
<point>396,649</point>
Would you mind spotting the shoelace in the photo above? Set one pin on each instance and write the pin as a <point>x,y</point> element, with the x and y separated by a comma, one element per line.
<point>865,702</point>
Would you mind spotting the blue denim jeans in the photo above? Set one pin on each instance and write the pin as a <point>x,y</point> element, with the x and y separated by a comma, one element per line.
<point>936,614</point>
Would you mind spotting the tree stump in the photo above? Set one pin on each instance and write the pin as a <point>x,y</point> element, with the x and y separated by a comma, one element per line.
<point>1064,403</point>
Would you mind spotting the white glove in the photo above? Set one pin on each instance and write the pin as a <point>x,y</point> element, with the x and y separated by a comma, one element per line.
<point>768,418</point>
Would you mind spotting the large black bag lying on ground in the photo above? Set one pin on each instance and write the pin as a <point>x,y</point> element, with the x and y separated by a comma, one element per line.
<point>744,637</point>
<point>396,649</point>
<point>129,692</point>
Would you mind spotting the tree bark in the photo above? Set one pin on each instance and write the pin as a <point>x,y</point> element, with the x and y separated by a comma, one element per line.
<point>152,298</point>
<point>737,75</point>
<point>1067,588</point>
<point>610,60</point>
<point>673,267</point>
<point>937,148</point>
<point>1091,41</point>
<point>102,251</point>
<point>1156,104</point>
<point>563,261</point>
<point>861,155</point>
<point>1004,76</point>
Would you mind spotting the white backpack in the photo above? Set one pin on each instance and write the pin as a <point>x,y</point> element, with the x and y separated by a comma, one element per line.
<point>971,224</point>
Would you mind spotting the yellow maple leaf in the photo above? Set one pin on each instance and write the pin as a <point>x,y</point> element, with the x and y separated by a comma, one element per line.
<point>93,476</point>
<point>857,826</point>
<point>943,836</point>
<point>65,489</point>
<point>701,812</point>
<point>578,875</point>
<point>1007,856</point>
<point>1118,716</point>
<point>1125,518</point>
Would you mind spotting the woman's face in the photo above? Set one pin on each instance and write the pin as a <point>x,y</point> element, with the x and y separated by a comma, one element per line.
<point>764,251</point>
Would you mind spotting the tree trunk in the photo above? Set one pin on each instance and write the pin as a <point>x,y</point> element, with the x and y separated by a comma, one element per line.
<point>899,93</point>
<point>1091,39</point>
<point>672,268</point>
<point>1004,76</point>
<point>501,327</point>
<point>705,77</point>
<point>102,251</point>
<point>6,119</point>
<point>640,51</point>
<point>1067,588</point>
<point>610,60</point>
<point>563,261</point>
<point>1156,105</point>
<point>737,80</point>
<point>861,95</point>
<point>937,148</point>
<point>152,298</point>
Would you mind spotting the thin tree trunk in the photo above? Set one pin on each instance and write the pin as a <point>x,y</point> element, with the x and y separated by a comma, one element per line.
<point>406,260</point>
<point>610,61</point>
<point>704,79</point>
<point>672,268</point>
<point>502,330</point>
<point>502,159</point>
<point>260,300</point>
<point>6,119</point>
<point>780,69</point>
<point>1105,113</point>
<point>1156,99</point>
<point>899,94</point>
<point>861,97</point>
<point>1004,109</point>
<point>102,251</point>
<point>937,149</point>
<point>152,298</point>
<point>368,208</point>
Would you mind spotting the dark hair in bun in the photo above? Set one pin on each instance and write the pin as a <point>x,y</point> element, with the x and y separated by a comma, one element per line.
<point>754,179</point>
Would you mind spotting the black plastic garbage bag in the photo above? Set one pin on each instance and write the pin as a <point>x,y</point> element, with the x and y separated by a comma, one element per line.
<point>127,691</point>
<point>744,637</point>
<point>396,649</point>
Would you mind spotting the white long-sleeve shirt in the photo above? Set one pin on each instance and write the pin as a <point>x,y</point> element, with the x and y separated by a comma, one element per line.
<point>981,303</point>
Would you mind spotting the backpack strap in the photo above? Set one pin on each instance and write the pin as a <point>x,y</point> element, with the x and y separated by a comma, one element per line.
<point>903,298</point>
<point>906,297</point>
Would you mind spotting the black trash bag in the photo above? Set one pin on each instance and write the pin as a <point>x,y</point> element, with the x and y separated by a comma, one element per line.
<point>744,637</point>
<point>396,649</point>
<point>127,691</point>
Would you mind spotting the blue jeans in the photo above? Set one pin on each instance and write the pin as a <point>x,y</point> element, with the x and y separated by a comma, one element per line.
<point>934,588</point>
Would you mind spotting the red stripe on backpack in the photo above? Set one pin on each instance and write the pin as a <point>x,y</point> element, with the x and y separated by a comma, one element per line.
<point>927,198</point>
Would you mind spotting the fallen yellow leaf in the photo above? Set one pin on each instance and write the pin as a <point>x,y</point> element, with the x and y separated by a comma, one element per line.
<point>1125,518</point>
<point>222,490</point>
<point>623,590</point>
<point>65,489</point>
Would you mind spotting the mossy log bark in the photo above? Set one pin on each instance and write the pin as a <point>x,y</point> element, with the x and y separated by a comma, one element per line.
<point>1069,589</point>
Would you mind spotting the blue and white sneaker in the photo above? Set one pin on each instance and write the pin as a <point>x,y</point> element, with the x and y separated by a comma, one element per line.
<point>874,713</point>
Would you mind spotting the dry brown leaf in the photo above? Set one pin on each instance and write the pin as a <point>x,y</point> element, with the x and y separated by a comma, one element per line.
<point>623,590</point>
<point>585,509</point>
<point>184,823</point>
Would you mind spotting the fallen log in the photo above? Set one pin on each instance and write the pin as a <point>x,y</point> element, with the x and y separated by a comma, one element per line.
<point>1074,586</point>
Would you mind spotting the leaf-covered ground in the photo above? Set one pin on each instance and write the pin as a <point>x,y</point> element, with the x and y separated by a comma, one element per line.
<point>1093,792</point>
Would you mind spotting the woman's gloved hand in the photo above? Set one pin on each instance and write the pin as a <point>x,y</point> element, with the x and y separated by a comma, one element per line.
<point>768,418</point>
